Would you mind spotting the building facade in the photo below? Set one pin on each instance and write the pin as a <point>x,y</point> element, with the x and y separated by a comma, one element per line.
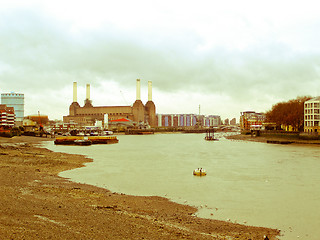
<point>250,118</point>
<point>187,120</point>
<point>233,121</point>
<point>312,115</point>
<point>15,100</point>
<point>7,116</point>
<point>89,114</point>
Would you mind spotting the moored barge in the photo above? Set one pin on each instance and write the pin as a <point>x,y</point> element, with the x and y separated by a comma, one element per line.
<point>72,140</point>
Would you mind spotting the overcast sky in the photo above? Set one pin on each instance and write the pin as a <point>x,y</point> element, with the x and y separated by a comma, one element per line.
<point>226,56</point>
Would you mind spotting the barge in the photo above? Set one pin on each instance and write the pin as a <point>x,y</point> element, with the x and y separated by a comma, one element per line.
<point>73,140</point>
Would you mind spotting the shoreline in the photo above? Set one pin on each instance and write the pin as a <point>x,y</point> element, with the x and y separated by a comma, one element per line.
<point>37,203</point>
<point>275,139</point>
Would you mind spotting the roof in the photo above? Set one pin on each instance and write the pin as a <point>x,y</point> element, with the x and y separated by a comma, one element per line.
<point>121,120</point>
<point>314,99</point>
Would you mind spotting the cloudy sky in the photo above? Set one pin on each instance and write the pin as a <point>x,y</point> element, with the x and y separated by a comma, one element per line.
<point>226,56</point>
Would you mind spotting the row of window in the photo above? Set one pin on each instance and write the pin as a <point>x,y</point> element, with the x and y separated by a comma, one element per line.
<point>312,105</point>
<point>312,123</point>
<point>311,111</point>
<point>101,114</point>
<point>310,117</point>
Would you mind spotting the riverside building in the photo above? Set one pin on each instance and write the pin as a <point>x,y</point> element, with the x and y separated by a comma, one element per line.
<point>187,120</point>
<point>251,118</point>
<point>15,100</point>
<point>312,115</point>
<point>7,116</point>
<point>139,113</point>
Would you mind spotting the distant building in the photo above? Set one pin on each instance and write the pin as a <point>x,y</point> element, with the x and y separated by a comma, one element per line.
<point>7,116</point>
<point>89,114</point>
<point>233,121</point>
<point>212,121</point>
<point>39,119</point>
<point>187,120</point>
<point>15,100</point>
<point>249,118</point>
<point>312,115</point>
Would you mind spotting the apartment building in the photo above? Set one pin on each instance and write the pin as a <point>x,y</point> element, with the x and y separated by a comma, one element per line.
<point>250,118</point>
<point>312,115</point>
<point>187,120</point>
<point>7,116</point>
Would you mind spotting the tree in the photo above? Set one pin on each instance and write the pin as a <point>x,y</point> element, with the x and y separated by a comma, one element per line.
<point>289,113</point>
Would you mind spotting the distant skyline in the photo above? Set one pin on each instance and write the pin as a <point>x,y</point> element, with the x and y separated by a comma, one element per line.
<point>227,57</point>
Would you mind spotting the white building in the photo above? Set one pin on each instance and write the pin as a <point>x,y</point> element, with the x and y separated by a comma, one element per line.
<point>7,116</point>
<point>15,100</point>
<point>312,115</point>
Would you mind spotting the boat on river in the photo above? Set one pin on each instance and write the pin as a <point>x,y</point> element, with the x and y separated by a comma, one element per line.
<point>210,135</point>
<point>199,172</point>
<point>83,140</point>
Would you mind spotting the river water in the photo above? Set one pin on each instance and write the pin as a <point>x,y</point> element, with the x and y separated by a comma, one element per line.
<point>247,182</point>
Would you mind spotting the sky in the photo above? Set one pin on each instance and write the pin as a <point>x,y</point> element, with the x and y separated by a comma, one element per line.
<point>224,56</point>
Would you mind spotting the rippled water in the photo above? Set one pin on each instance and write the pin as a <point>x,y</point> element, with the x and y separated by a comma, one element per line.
<point>247,182</point>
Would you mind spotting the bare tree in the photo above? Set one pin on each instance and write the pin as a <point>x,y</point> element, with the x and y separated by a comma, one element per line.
<point>289,113</point>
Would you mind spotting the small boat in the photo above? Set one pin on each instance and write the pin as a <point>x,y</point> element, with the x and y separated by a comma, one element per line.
<point>210,135</point>
<point>83,142</point>
<point>199,172</point>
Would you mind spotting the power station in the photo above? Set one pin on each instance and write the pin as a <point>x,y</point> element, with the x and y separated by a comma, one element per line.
<point>89,114</point>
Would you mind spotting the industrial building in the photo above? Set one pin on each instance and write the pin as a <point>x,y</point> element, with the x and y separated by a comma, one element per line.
<point>15,100</point>
<point>89,114</point>
<point>7,116</point>
<point>312,115</point>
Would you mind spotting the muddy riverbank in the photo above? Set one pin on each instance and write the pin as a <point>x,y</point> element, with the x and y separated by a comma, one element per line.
<point>274,139</point>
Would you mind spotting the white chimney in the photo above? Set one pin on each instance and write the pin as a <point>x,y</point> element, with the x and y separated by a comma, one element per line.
<point>138,90</point>
<point>149,91</point>
<point>88,92</point>
<point>74,91</point>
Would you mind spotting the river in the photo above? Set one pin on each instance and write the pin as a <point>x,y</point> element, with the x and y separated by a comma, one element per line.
<point>250,183</point>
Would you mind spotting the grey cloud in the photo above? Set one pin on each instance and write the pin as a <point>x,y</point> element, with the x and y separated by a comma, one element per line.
<point>37,51</point>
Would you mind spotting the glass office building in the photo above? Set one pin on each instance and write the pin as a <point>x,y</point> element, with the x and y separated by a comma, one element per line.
<point>15,100</point>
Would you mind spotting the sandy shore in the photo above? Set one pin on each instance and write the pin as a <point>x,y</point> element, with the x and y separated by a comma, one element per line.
<point>37,204</point>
